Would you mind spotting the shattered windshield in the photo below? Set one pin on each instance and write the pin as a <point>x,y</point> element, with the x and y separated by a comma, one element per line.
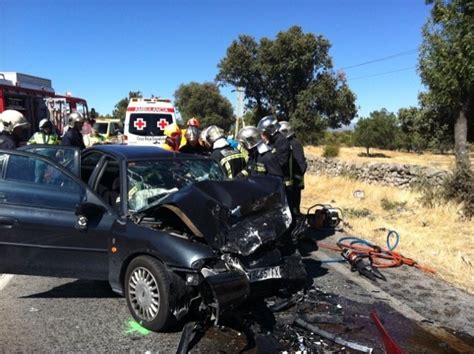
<point>149,182</point>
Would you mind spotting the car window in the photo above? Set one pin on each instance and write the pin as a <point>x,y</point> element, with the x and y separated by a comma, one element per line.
<point>88,164</point>
<point>65,156</point>
<point>108,186</point>
<point>101,128</point>
<point>34,182</point>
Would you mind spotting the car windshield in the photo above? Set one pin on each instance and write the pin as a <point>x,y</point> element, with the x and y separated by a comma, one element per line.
<point>101,128</point>
<point>149,182</point>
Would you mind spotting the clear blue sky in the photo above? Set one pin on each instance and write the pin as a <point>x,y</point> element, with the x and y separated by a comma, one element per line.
<point>101,49</point>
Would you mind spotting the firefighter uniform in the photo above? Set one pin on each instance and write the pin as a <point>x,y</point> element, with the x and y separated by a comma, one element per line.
<point>7,141</point>
<point>298,168</point>
<point>262,161</point>
<point>73,137</point>
<point>230,159</point>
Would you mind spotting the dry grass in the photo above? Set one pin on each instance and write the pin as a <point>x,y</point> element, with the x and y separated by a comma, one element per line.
<point>433,237</point>
<point>425,159</point>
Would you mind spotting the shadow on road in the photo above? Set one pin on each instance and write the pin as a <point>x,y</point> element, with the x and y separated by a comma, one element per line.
<point>81,289</point>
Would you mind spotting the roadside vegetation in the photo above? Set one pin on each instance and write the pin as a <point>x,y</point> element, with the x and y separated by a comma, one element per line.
<point>435,236</point>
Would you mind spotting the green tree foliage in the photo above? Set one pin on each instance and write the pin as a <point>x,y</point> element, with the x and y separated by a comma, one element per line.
<point>344,138</point>
<point>446,65</point>
<point>205,102</point>
<point>120,108</point>
<point>291,76</point>
<point>380,130</point>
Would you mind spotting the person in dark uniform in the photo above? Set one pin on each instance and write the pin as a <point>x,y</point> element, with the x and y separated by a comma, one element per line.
<point>232,160</point>
<point>192,145</point>
<point>269,127</point>
<point>73,136</point>
<point>298,164</point>
<point>261,159</point>
<point>13,123</point>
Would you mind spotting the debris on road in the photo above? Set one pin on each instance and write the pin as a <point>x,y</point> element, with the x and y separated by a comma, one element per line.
<point>332,337</point>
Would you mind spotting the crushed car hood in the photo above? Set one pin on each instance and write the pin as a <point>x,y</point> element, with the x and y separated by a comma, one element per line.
<point>236,216</point>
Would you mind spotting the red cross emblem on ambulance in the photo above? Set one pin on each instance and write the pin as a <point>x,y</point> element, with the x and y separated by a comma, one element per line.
<point>162,123</point>
<point>139,124</point>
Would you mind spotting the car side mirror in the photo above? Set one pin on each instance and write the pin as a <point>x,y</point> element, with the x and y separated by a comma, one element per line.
<point>88,214</point>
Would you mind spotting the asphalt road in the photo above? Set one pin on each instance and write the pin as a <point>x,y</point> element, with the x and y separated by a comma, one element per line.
<point>58,315</point>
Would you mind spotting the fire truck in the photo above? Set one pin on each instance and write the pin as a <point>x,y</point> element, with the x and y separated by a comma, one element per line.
<point>36,99</point>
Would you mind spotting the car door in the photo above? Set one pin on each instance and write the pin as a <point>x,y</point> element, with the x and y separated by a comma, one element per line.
<point>51,223</point>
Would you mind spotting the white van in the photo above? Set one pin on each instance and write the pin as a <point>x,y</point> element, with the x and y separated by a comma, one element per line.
<point>146,120</point>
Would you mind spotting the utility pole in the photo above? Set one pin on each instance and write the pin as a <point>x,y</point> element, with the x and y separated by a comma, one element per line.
<point>240,108</point>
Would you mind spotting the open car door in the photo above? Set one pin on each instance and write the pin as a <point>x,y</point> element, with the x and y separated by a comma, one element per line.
<point>67,156</point>
<point>51,223</point>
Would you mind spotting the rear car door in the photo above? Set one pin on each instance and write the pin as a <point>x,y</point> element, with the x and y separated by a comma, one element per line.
<point>40,208</point>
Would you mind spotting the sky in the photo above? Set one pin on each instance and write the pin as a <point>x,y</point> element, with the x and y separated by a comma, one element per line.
<point>102,49</point>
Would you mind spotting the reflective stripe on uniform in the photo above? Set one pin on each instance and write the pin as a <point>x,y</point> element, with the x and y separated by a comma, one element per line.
<point>225,162</point>
<point>260,167</point>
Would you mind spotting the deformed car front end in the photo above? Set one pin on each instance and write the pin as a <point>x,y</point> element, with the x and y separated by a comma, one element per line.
<point>245,224</point>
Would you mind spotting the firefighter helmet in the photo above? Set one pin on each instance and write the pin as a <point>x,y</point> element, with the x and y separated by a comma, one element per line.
<point>203,138</point>
<point>286,129</point>
<point>45,123</point>
<point>73,118</point>
<point>11,119</point>
<point>213,134</point>
<point>269,125</point>
<point>193,122</point>
<point>192,133</point>
<point>249,137</point>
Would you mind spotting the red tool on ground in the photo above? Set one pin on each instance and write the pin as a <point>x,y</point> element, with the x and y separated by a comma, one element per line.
<point>391,347</point>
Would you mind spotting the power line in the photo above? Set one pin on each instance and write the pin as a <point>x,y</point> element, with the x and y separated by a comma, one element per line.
<point>384,73</point>
<point>407,52</point>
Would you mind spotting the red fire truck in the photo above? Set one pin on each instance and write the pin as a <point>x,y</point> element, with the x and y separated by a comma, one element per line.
<point>36,99</point>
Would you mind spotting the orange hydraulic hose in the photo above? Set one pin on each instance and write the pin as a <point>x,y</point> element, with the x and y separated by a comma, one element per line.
<point>380,258</point>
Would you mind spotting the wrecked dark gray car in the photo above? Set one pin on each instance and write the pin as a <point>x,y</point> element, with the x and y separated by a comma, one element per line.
<point>167,231</point>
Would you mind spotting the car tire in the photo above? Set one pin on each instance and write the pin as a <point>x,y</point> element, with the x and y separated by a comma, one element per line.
<point>147,290</point>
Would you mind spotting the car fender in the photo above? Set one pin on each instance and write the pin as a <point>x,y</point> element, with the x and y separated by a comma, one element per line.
<point>130,240</point>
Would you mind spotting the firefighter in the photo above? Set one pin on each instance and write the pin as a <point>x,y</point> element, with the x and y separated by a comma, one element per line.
<point>261,159</point>
<point>45,135</point>
<point>298,164</point>
<point>173,138</point>
<point>73,136</point>
<point>230,159</point>
<point>14,124</point>
<point>192,142</point>
<point>269,127</point>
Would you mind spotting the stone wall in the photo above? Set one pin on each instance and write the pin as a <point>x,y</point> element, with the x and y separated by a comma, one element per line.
<point>397,175</point>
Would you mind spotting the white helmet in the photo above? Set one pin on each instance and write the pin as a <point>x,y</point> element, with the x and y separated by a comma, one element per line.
<point>73,118</point>
<point>45,123</point>
<point>214,133</point>
<point>249,137</point>
<point>11,119</point>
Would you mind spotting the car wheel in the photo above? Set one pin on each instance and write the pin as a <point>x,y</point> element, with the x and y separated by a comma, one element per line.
<point>147,290</point>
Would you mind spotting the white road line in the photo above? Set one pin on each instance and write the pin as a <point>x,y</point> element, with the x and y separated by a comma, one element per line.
<point>4,279</point>
<point>400,306</point>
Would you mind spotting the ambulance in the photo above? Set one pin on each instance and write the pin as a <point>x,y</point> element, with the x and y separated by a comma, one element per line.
<point>146,120</point>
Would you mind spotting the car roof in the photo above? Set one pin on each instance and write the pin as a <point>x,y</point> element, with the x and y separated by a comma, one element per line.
<point>136,152</point>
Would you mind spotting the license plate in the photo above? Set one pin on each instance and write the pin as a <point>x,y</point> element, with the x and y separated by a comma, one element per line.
<point>264,274</point>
